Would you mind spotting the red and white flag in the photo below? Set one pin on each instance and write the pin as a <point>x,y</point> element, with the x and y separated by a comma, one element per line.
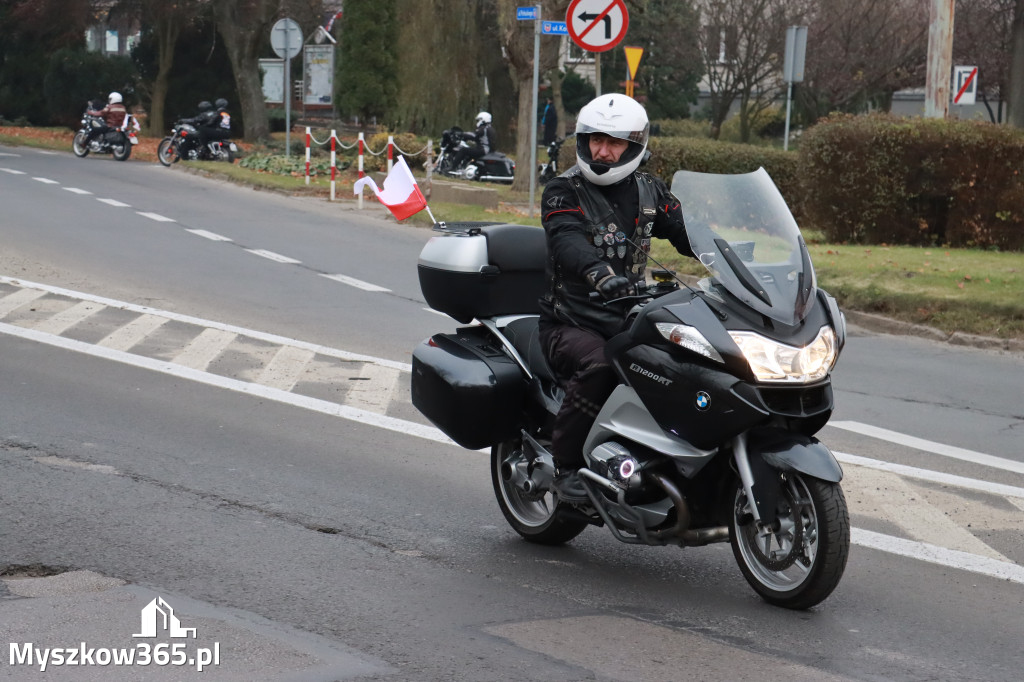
<point>401,194</point>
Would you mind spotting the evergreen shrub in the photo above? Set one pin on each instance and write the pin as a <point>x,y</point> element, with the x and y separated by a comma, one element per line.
<point>880,179</point>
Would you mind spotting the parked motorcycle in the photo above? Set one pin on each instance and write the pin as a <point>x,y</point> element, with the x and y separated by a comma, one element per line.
<point>117,142</point>
<point>709,435</point>
<point>549,170</point>
<point>492,167</point>
<point>179,145</point>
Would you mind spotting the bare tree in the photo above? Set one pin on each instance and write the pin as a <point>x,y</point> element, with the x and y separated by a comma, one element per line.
<point>983,36</point>
<point>166,20</point>
<point>859,52</point>
<point>741,43</point>
<point>516,38</point>
<point>245,26</point>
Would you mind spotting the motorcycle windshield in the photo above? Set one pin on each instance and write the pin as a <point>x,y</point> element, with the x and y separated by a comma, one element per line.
<point>742,231</point>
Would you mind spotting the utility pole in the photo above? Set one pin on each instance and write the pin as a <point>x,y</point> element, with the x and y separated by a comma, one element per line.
<point>940,59</point>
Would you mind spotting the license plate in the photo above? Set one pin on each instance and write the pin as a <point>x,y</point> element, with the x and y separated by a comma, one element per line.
<point>233,147</point>
<point>133,139</point>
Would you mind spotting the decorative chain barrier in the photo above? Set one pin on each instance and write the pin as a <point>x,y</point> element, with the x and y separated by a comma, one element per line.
<point>363,150</point>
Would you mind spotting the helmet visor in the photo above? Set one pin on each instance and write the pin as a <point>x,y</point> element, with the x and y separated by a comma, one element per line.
<point>637,136</point>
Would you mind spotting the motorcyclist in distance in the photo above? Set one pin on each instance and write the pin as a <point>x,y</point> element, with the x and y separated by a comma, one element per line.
<point>484,138</point>
<point>217,125</point>
<point>206,117</point>
<point>113,116</point>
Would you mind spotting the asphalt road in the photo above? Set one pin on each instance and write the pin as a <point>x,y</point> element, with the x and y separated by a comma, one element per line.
<point>227,484</point>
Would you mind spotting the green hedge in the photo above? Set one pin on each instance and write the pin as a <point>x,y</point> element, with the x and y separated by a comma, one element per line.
<point>880,179</point>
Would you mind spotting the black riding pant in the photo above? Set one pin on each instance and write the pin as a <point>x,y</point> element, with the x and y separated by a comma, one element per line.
<point>577,356</point>
<point>465,154</point>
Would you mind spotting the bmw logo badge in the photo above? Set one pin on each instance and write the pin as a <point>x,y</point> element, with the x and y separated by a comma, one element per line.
<point>703,401</point>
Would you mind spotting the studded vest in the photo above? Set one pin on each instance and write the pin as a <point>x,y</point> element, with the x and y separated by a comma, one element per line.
<point>568,296</point>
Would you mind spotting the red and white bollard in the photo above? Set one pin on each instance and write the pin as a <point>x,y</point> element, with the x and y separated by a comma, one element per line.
<point>391,152</point>
<point>334,139</point>
<point>361,173</point>
<point>307,154</point>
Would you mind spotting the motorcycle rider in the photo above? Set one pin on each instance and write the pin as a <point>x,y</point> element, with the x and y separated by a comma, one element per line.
<point>113,116</point>
<point>598,218</point>
<point>484,138</point>
<point>191,148</point>
<point>216,125</point>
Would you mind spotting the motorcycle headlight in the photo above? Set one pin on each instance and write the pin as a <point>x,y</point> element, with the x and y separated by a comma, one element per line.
<point>776,362</point>
<point>689,338</point>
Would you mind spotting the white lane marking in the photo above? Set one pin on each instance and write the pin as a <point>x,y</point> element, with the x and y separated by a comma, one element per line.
<point>204,349</point>
<point>436,312</point>
<point>114,202</point>
<point>930,446</point>
<point>46,181</point>
<point>12,171</point>
<point>9,154</point>
<point>157,217</point>
<point>357,283</point>
<point>273,256</point>
<point>938,555</point>
<point>48,153</point>
<point>373,389</point>
<point>933,476</point>
<point>266,392</point>
<point>884,495</point>
<point>885,543</point>
<point>12,302</point>
<point>285,368</point>
<point>76,190</point>
<point>213,236</point>
<point>38,290</point>
<point>133,332</point>
<point>66,319</point>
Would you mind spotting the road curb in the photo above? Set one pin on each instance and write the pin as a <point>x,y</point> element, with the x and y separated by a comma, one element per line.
<point>885,325</point>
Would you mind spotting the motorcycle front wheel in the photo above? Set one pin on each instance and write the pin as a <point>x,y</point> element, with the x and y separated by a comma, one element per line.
<point>797,561</point>
<point>537,517</point>
<point>166,152</point>
<point>79,146</point>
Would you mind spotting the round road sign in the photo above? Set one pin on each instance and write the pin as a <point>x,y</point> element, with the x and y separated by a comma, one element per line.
<point>286,38</point>
<point>597,25</point>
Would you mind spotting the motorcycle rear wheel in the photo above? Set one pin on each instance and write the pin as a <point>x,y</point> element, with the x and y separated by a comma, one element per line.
<point>79,146</point>
<point>166,152</point>
<point>799,563</point>
<point>536,517</point>
<point>123,150</point>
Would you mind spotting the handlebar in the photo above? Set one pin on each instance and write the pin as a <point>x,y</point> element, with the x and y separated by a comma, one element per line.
<point>644,291</point>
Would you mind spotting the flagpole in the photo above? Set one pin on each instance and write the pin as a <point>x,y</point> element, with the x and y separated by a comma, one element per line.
<point>432,218</point>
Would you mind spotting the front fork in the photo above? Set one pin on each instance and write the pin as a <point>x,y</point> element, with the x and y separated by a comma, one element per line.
<point>746,473</point>
<point>760,482</point>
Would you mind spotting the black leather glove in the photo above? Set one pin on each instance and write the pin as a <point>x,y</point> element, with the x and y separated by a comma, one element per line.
<point>607,283</point>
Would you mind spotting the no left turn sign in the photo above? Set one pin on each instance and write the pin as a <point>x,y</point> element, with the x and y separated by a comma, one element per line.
<point>597,25</point>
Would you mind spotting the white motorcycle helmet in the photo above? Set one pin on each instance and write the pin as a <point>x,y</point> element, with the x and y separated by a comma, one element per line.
<point>115,98</point>
<point>618,116</point>
<point>482,118</point>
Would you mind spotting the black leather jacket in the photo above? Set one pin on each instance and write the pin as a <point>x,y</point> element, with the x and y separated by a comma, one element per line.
<point>587,225</point>
<point>484,137</point>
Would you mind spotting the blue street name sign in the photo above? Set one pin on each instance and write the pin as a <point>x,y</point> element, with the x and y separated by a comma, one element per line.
<point>526,13</point>
<point>557,28</point>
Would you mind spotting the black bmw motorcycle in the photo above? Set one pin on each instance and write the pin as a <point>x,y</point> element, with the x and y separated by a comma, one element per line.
<point>492,167</point>
<point>709,435</point>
